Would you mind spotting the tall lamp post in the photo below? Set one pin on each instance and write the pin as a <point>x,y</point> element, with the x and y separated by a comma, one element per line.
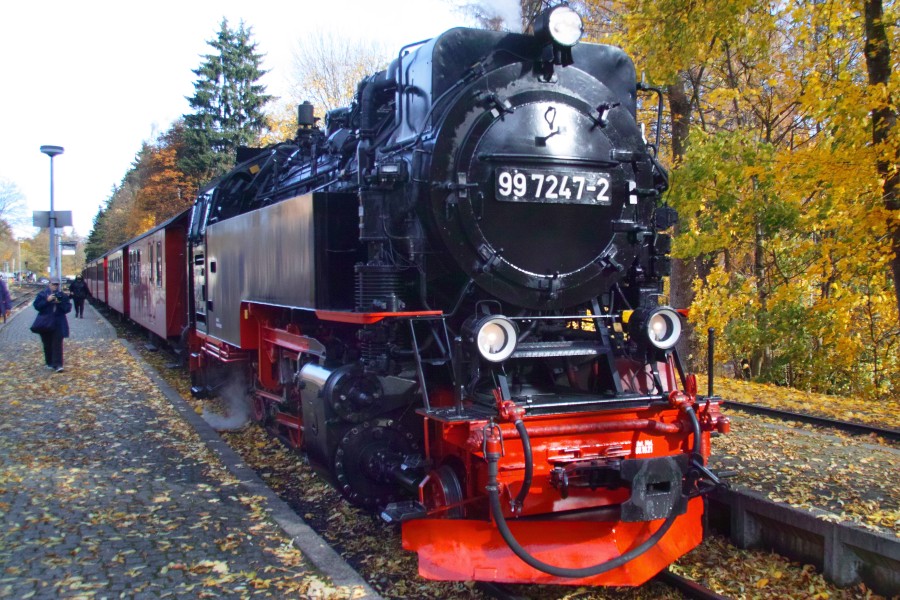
<point>52,151</point>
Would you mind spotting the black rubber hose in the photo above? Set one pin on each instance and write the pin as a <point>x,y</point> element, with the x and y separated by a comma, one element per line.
<point>493,489</point>
<point>519,502</point>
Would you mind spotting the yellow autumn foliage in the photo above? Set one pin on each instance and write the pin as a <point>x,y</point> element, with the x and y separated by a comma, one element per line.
<point>778,190</point>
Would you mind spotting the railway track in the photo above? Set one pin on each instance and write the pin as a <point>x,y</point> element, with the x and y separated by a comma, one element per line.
<point>689,588</point>
<point>21,300</point>
<point>847,426</point>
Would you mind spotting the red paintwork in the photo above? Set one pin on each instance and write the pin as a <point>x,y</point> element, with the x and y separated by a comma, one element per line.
<point>95,277</point>
<point>369,318</point>
<point>559,440</point>
<point>224,352</point>
<point>472,548</point>
<point>469,549</point>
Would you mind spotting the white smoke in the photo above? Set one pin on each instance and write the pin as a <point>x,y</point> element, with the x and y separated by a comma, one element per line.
<point>508,10</point>
<point>500,15</point>
<point>235,406</point>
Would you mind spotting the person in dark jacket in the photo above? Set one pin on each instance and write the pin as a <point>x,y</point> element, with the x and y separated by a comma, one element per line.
<point>79,291</point>
<point>52,301</point>
<point>5,300</point>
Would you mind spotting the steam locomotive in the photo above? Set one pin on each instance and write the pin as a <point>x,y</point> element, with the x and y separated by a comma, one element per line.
<point>448,297</point>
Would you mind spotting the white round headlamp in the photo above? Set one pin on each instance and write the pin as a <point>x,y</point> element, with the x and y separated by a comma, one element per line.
<point>565,26</point>
<point>662,326</point>
<point>495,338</point>
<point>657,327</point>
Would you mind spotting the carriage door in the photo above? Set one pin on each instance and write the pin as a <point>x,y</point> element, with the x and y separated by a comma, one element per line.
<point>198,269</point>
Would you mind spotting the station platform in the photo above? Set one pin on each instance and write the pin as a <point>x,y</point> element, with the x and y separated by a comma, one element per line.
<point>111,487</point>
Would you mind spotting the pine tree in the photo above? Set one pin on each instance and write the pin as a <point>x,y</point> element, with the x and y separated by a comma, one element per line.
<point>227,104</point>
<point>96,243</point>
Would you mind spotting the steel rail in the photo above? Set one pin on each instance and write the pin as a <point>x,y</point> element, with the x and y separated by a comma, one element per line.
<point>690,588</point>
<point>849,427</point>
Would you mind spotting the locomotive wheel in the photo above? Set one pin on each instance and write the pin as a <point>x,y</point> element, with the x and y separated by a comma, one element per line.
<point>353,395</point>
<point>260,410</point>
<point>444,489</point>
<point>366,458</point>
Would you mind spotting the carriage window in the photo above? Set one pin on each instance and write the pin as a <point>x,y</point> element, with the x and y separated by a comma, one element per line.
<point>150,245</point>
<point>159,277</point>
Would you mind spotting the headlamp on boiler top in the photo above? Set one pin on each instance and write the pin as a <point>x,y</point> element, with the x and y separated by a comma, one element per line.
<point>560,24</point>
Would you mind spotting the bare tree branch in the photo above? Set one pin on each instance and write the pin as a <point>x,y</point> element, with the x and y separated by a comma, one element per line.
<point>12,204</point>
<point>327,68</point>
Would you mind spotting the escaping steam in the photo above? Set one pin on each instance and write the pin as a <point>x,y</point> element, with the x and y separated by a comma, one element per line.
<point>234,405</point>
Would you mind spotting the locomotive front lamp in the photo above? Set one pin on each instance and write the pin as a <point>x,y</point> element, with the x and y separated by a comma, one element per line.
<point>495,337</point>
<point>560,24</point>
<point>660,327</point>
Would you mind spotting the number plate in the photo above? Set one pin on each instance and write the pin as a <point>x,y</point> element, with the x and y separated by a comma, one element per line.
<point>532,185</point>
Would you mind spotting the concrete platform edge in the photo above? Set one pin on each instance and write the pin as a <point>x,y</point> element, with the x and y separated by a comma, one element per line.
<point>846,553</point>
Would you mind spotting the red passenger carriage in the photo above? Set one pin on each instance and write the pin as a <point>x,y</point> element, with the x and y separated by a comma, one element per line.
<point>158,287</point>
<point>118,282</point>
<point>95,277</point>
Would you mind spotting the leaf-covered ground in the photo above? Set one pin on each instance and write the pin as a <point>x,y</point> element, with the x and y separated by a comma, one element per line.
<point>853,477</point>
<point>105,491</point>
<point>848,476</point>
<point>878,413</point>
<point>375,550</point>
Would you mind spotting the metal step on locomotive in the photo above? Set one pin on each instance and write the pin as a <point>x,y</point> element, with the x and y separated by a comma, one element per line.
<point>448,297</point>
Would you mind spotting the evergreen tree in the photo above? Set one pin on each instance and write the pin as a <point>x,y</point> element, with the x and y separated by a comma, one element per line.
<point>96,242</point>
<point>227,105</point>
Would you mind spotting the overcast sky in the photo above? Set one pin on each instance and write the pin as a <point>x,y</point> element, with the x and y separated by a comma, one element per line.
<point>99,77</point>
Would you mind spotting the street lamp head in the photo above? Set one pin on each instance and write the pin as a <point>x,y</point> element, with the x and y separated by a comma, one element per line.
<point>52,151</point>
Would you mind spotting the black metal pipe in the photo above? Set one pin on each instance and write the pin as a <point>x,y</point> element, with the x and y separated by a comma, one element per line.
<point>659,109</point>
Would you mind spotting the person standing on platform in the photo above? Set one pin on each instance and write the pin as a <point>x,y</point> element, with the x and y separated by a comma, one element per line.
<point>5,299</point>
<point>80,292</point>
<point>51,323</point>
